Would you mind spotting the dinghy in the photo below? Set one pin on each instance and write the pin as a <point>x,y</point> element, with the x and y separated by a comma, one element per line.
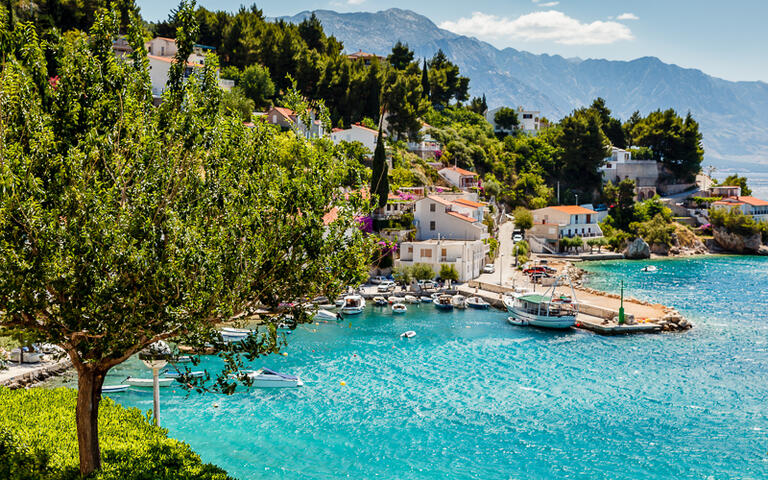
<point>399,308</point>
<point>147,382</point>
<point>114,388</point>
<point>426,299</point>
<point>411,299</point>
<point>408,334</point>
<point>323,314</point>
<point>266,378</point>
<point>477,303</point>
<point>195,374</point>
<point>380,301</point>
<point>459,301</point>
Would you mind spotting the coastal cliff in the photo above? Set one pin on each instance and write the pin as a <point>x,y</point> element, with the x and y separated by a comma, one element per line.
<point>739,243</point>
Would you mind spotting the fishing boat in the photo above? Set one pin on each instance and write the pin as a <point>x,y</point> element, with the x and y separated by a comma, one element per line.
<point>411,299</point>
<point>353,305</point>
<point>380,301</point>
<point>148,382</point>
<point>399,308</point>
<point>425,299</point>
<point>459,301</point>
<point>323,314</point>
<point>408,334</point>
<point>444,302</point>
<point>266,378</point>
<point>114,388</point>
<point>477,303</point>
<point>649,269</point>
<point>542,310</point>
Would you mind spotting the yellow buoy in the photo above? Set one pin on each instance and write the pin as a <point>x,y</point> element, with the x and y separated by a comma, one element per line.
<point>285,354</point>
<point>343,383</point>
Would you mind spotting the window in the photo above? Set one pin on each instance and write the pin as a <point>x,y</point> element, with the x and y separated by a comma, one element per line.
<point>589,218</point>
<point>431,207</point>
<point>527,115</point>
<point>426,253</point>
<point>432,225</point>
<point>443,252</point>
<point>410,249</point>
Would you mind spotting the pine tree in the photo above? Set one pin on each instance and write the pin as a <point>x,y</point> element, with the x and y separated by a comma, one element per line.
<point>425,81</point>
<point>485,105</point>
<point>379,180</point>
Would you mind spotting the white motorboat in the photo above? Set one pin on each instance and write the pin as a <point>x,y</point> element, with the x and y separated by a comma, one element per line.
<point>477,303</point>
<point>114,388</point>
<point>649,269</point>
<point>393,299</point>
<point>230,335</point>
<point>408,334</point>
<point>353,304</point>
<point>380,301</point>
<point>444,302</point>
<point>323,314</point>
<point>339,303</point>
<point>411,299</point>
<point>542,310</point>
<point>176,374</point>
<point>236,331</point>
<point>183,359</point>
<point>266,378</point>
<point>426,299</point>
<point>517,322</point>
<point>459,301</point>
<point>148,383</point>
<point>399,308</point>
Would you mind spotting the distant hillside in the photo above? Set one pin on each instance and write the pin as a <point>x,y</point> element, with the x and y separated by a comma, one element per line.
<point>733,115</point>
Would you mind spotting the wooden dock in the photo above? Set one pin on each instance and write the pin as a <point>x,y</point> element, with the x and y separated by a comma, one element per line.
<point>597,325</point>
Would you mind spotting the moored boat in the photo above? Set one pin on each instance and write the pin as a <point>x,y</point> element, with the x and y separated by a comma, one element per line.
<point>649,269</point>
<point>393,299</point>
<point>444,302</point>
<point>176,374</point>
<point>477,303</point>
<point>411,299</point>
<point>148,382</point>
<point>408,334</point>
<point>459,301</point>
<point>353,305</point>
<point>114,388</point>
<point>380,301</point>
<point>425,299</point>
<point>339,303</point>
<point>399,308</point>
<point>323,314</point>
<point>266,378</point>
<point>542,310</point>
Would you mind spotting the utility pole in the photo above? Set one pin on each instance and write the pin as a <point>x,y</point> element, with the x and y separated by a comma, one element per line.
<point>558,192</point>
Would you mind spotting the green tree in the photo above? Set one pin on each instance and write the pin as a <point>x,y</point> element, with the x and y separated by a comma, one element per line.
<point>132,224</point>
<point>584,148</point>
<point>621,199</point>
<point>736,181</point>
<point>311,30</point>
<point>449,272</point>
<point>257,84</point>
<point>675,142</point>
<point>402,274</point>
<point>425,81</point>
<point>403,102</point>
<point>379,175</point>
<point>506,118</point>
<point>422,271</point>
<point>611,127</point>
<point>523,218</point>
<point>235,102</point>
<point>401,56</point>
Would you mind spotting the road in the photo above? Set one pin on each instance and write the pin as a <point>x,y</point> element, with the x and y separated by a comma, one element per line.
<point>503,264</point>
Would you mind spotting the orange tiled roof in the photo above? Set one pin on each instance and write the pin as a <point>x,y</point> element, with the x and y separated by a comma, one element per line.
<point>439,200</point>
<point>461,171</point>
<point>755,202</point>
<point>573,209</point>
<point>469,203</point>
<point>171,59</point>
<point>286,112</point>
<point>462,217</point>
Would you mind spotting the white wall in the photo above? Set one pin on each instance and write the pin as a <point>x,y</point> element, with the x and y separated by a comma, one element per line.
<point>356,134</point>
<point>158,74</point>
<point>467,257</point>
<point>445,226</point>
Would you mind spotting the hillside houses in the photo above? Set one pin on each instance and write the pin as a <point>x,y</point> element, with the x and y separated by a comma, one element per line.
<point>357,133</point>
<point>754,207</point>
<point>458,177</point>
<point>287,119</point>
<point>551,224</point>
<point>530,121</point>
<point>620,165</point>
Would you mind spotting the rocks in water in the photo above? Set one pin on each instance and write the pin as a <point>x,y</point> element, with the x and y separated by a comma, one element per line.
<point>737,243</point>
<point>637,249</point>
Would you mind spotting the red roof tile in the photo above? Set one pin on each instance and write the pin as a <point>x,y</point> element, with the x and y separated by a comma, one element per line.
<point>439,200</point>
<point>573,209</point>
<point>462,217</point>
<point>461,171</point>
<point>469,203</point>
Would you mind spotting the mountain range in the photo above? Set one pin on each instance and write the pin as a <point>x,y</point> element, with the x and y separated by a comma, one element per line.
<point>733,115</point>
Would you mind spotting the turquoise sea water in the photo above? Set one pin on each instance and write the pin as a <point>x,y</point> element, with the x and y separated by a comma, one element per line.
<point>473,397</point>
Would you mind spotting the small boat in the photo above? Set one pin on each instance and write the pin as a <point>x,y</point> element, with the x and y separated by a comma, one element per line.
<point>266,378</point>
<point>323,314</point>
<point>540,310</point>
<point>236,331</point>
<point>114,388</point>
<point>444,302</point>
<point>321,300</point>
<point>459,301</point>
<point>399,308</point>
<point>380,301</point>
<point>425,299</point>
<point>411,299</point>
<point>519,322</point>
<point>435,296</point>
<point>183,359</point>
<point>393,299</point>
<point>353,305</point>
<point>478,303</point>
<point>339,303</point>
<point>148,382</point>
<point>195,374</point>
<point>408,334</point>
<point>231,336</point>
<point>649,268</point>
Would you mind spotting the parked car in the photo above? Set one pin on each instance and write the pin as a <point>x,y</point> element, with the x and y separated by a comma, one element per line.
<point>489,268</point>
<point>378,279</point>
<point>517,238</point>
<point>386,286</point>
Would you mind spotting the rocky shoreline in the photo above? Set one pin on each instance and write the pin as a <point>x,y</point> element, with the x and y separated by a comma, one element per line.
<point>28,377</point>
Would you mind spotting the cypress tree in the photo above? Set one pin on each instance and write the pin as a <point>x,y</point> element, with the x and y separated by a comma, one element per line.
<point>485,105</point>
<point>425,80</point>
<point>380,170</point>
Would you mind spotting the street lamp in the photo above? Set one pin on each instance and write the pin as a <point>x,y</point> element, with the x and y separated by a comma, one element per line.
<point>155,356</point>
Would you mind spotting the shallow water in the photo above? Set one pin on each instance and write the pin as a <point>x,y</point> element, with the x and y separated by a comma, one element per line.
<point>473,397</point>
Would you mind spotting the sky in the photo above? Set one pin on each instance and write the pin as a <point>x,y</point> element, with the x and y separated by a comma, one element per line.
<point>725,39</point>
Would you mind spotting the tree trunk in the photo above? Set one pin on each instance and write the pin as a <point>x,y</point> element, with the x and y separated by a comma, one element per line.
<point>90,381</point>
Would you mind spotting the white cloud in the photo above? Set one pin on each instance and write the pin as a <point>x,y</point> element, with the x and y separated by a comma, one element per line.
<point>355,2</point>
<point>549,4</point>
<point>551,26</point>
<point>627,16</point>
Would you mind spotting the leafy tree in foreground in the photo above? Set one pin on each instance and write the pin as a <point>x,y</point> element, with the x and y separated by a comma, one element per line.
<point>122,224</point>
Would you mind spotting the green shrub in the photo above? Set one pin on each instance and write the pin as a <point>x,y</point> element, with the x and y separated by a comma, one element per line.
<point>402,274</point>
<point>448,272</point>
<point>38,441</point>
<point>422,271</point>
<point>733,221</point>
<point>657,230</point>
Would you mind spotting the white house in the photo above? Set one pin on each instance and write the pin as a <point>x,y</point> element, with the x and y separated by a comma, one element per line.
<point>357,133</point>
<point>158,72</point>
<point>620,166</point>
<point>458,177</point>
<point>530,121</point>
<point>754,207</point>
<point>427,146</point>
<point>467,257</point>
<point>160,53</point>
<point>397,206</point>
<point>550,224</point>
<point>437,217</point>
<point>287,118</point>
